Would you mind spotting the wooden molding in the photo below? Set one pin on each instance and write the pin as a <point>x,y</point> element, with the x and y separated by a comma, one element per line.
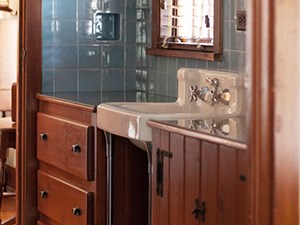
<point>260,112</point>
<point>272,60</point>
<point>29,83</point>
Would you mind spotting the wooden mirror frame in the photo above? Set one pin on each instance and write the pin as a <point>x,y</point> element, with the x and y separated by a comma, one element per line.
<point>210,53</point>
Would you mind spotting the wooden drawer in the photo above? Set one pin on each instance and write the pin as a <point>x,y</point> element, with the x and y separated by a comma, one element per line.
<point>64,202</point>
<point>66,145</point>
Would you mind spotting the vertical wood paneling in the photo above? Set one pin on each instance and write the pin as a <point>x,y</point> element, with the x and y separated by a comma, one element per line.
<point>208,172</point>
<point>192,179</point>
<point>165,201</point>
<point>243,180</point>
<point>209,181</point>
<point>155,198</point>
<point>176,179</point>
<point>227,185</point>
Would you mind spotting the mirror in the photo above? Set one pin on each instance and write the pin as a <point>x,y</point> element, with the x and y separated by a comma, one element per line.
<point>189,29</point>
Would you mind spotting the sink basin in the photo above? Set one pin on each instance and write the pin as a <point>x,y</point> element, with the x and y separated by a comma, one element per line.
<point>129,119</point>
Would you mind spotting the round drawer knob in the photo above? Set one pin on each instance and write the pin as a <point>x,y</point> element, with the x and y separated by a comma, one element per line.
<point>44,194</point>
<point>76,211</point>
<point>76,148</point>
<point>43,137</point>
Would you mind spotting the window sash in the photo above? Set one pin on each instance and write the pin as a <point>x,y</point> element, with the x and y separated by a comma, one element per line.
<point>189,22</point>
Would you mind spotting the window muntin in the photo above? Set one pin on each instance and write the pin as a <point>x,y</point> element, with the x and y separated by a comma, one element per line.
<point>188,22</point>
<point>167,37</point>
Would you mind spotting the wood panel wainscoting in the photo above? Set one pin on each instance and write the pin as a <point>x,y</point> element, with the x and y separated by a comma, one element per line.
<point>197,178</point>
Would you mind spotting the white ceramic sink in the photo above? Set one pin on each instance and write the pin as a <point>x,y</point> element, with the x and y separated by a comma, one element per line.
<point>129,119</point>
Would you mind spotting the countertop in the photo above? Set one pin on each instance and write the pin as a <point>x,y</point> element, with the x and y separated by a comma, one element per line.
<point>95,98</point>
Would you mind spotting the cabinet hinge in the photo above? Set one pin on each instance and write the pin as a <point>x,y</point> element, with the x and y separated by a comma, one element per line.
<point>160,154</point>
<point>199,211</point>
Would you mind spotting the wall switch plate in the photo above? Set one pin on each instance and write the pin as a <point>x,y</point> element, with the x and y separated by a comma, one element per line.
<point>241,20</point>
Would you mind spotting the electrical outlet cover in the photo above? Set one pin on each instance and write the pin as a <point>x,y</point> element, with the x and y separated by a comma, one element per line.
<point>241,20</point>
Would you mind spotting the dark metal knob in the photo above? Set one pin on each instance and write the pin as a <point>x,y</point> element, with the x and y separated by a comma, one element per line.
<point>76,211</point>
<point>243,177</point>
<point>76,148</point>
<point>43,137</point>
<point>44,194</point>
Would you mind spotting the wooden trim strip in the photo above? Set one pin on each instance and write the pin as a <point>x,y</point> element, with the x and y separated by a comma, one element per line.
<point>64,102</point>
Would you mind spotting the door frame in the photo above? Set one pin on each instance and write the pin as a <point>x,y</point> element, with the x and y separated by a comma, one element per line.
<point>29,84</point>
<point>264,150</point>
<point>273,50</point>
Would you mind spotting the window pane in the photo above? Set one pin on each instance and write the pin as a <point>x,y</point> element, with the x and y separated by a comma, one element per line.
<point>190,20</point>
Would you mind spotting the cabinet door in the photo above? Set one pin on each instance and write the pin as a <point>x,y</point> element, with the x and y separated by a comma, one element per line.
<point>160,193</point>
<point>197,182</point>
<point>209,181</point>
<point>192,180</point>
<point>232,186</point>
<point>176,179</point>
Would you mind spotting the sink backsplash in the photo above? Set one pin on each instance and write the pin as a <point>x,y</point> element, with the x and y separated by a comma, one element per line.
<point>224,98</point>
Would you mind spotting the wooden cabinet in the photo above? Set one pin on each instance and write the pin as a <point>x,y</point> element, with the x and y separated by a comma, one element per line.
<point>71,157</point>
<point>65,203</point>
<point>197,181</point>
<point>66,145</point>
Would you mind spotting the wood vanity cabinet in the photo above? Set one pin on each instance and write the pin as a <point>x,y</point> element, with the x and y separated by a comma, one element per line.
<point>71,164</point>
<point>196,180</point>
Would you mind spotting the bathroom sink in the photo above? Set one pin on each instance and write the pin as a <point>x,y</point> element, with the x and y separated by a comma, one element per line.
<point>129,119</point>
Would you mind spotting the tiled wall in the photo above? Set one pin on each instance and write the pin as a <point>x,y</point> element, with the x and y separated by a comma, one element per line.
<point>74,61</point>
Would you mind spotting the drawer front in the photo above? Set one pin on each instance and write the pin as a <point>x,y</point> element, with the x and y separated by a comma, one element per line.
<point>66,145</point>
<point>63,202</point>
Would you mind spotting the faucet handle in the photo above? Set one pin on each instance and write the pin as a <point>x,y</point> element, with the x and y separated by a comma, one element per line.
<point>194,93</point>
<point>213,81</point>
<point>224,96</point>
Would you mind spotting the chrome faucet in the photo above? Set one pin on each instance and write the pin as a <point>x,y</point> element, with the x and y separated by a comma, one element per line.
<point>214,94</point>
